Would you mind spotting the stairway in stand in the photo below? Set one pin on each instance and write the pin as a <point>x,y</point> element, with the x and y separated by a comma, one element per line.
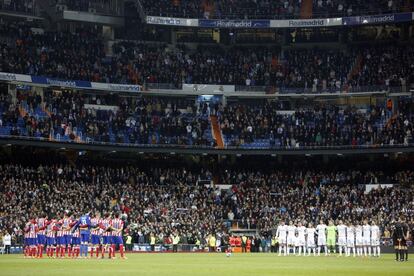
<point>216,131</point>
<point>306,9</point>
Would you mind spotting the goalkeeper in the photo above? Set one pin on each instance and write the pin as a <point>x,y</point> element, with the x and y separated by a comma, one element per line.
<point>331,239</point>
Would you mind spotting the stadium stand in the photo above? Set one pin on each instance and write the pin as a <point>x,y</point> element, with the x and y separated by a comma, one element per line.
<point>163,201</point>
<point>69,117</point>
<point>66,117</point>
<point>198,131</point>
<point>81,56</point>
<point>327,126</point>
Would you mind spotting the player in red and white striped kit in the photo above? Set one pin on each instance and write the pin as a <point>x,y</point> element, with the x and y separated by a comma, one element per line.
<point>60,240</point>
<point>66,224</point>
<point>51,229</point>
<point>76,241</point>
<point>31,230</point>
<point>106,225</point>
<point>117,227</point>
<point>41,235</point>
<point>96,233</point>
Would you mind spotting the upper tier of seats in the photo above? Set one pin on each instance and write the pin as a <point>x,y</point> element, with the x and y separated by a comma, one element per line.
<point>271,9</point>
<point>81,56</point>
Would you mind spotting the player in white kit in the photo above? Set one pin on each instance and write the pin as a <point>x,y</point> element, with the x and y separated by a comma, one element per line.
<point>359,241</point>
<point>366,228</point>
<point>321,232</point>
<point>291,237</point>
<point>341,228</point>
<point>375,239</point>
<point>310,239</point>
<point>300,239</point>
<point>350,239</point>
<point>281,234</point>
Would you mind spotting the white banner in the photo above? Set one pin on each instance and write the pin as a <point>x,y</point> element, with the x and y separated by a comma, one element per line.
<point>15,77</point>
<point>146,248</point>
<point>208,88</point>
<point>94,18</point>
<point>172,21</point>
<point>370,187</point>
<point>101,107</point>
<point>306,23</point>
<point>116,87</point>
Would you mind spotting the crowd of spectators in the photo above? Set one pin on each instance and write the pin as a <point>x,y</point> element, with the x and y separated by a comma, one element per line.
<point>77,117</point>
<point>209,65</point>
<point>81,5</point>
<point>224,9</point>
<point>81,56</point>
<point>385,66</point>
<point>172,201</point>
<point>70,116</point>
<point>339,8</point>
<point>76,56</point>
<point>19,6</point>
<point>316,70</point>
<point>316,126</point>
<point>265,9</point>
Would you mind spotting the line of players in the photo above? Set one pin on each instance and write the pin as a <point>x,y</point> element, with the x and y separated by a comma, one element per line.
<point>74,236</point>
<point>361,240</point>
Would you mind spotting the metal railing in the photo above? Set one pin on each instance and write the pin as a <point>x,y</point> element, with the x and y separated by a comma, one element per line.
<point>207,147</point>
<point>343,89</point>
<point>162,86</point>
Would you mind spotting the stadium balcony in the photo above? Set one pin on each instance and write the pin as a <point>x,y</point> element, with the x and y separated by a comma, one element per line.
<point>50,122</point>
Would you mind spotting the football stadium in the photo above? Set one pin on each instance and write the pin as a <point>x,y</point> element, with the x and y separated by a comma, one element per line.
<point>206,137</point>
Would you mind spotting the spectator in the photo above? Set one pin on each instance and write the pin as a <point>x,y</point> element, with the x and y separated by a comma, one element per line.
<point>7,242</point>
<point>128,243</point>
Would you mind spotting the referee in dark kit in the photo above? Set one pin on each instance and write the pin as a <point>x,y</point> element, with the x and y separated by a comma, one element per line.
<point>400,236</point>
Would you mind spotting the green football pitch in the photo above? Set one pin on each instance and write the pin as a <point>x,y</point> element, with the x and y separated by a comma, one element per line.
<point>207,264</point>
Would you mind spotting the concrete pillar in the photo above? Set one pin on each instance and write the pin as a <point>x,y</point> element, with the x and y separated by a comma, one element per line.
<point>108,32</point>
<point>39,91</point>
<point>12,92</point>
<point>174,37</point>
<point>223,101</point>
